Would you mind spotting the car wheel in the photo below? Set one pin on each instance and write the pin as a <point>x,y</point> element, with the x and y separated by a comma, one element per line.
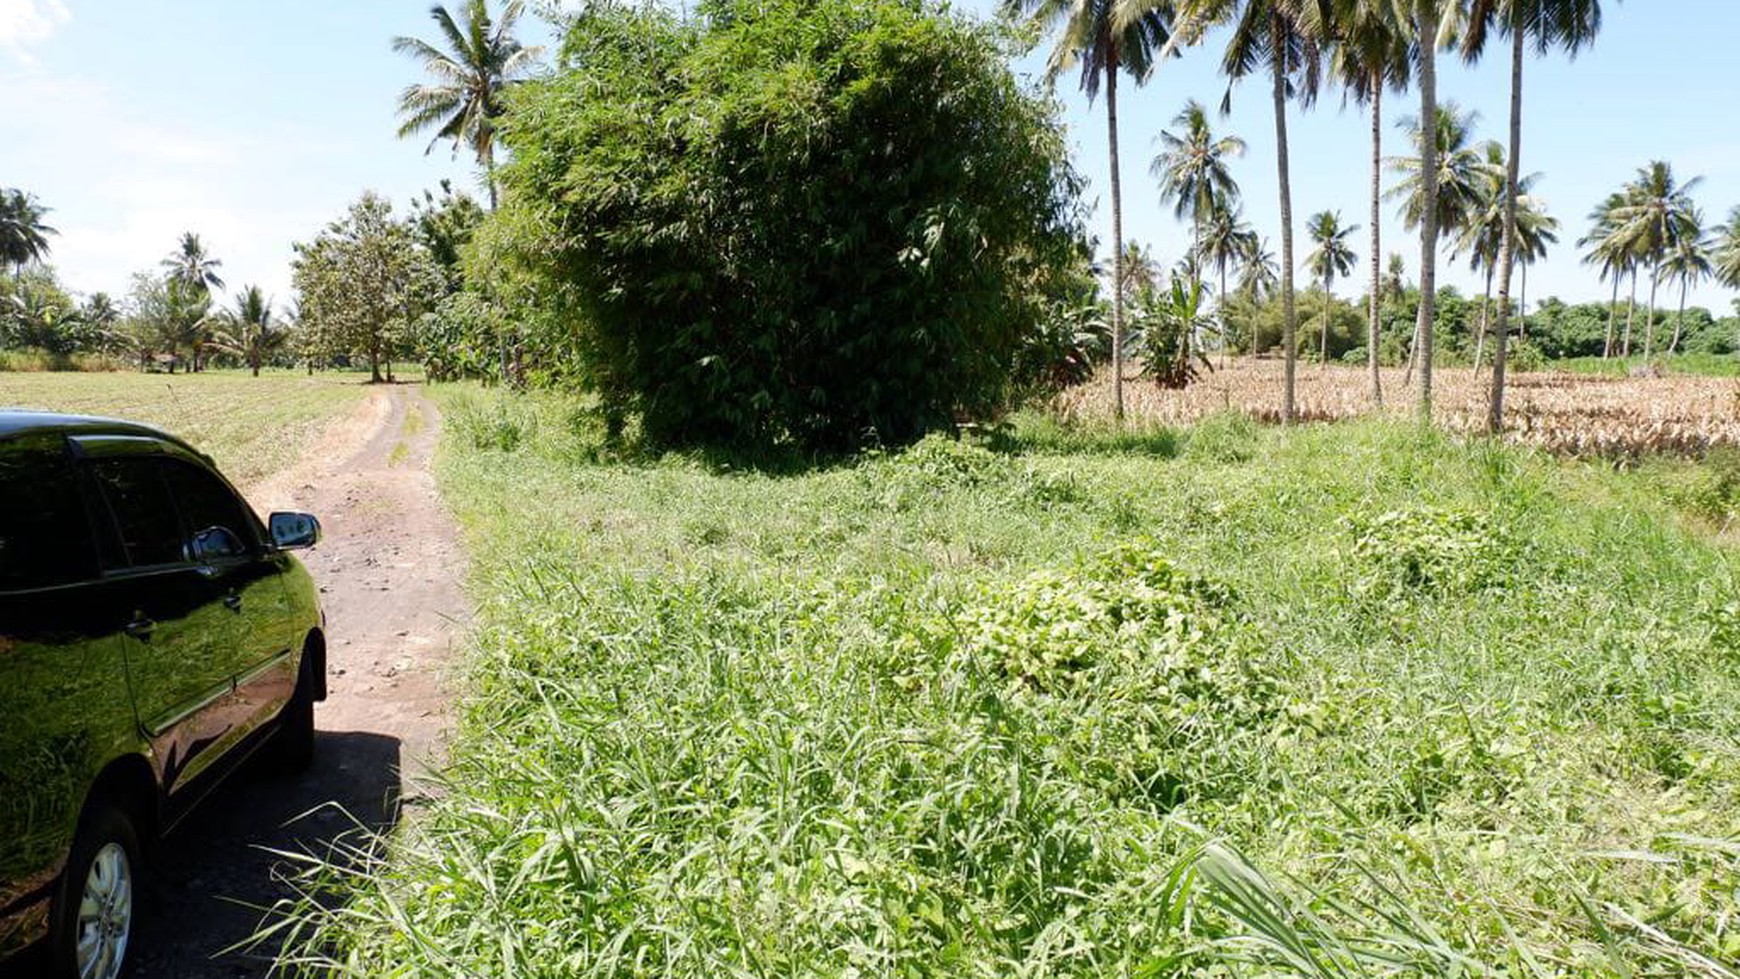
<point>294,740</point>
<point>95,903</point>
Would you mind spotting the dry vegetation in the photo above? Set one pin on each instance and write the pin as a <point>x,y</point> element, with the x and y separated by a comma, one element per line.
<point>252,426</point>
<point>1574,414</point>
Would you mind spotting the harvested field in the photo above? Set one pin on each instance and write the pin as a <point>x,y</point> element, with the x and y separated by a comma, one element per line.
<point>1571,414</point>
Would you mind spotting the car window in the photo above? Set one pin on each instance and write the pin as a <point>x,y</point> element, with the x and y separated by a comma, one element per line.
<point>145,514</point>
<point>219,522</point>
<point>45,537</point>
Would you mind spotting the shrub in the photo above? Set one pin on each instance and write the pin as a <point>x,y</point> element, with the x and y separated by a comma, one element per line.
<point>818,223</point>
<point>1230,436</point>
<point>500,426</point>
<point>1430,549</point>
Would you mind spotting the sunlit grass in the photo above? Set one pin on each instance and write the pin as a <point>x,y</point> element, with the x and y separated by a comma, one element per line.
<point>1342,700</point>
<point>251,426</point>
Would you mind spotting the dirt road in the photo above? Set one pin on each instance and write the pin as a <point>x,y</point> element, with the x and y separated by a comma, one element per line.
<point>389,570</point>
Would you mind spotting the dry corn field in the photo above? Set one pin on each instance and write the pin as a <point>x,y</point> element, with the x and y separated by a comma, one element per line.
<point>1573,414</point>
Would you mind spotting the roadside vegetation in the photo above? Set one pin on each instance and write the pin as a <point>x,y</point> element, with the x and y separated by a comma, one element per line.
<point>1345,700</point>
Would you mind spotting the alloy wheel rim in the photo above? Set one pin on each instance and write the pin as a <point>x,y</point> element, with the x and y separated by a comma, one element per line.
<point>105,921</point>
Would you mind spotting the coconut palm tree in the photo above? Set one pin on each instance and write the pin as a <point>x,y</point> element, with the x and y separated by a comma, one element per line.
<point>1371,54</point>
<point>1546,24</point>
<point>23,235</point>
<point>1259,275</point>
<point>1395,277</point>
<point>1464,172</point>
<point>1656,213</point>
<point>1193,172</point>
<point>1481,237</point>
<point>1225,237</point>
<point>461,100</point>
<point>1453,183</point>
<point>1727,264</point>
<point>1141,270</point>
<point>1104,37</point>
<point>191,267</point>
<point>1614,262</point>
<point>1426,16</point>
<point>1689,262</point>
<point>1331,259</point>
<point>249,329</point>
<point>1285,39</point>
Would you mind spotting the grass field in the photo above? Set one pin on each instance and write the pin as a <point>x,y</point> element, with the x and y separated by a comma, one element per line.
<point>1581,414</point>
<point>1341,700</point>
<point>252,426</point>
<point>1708,365</point>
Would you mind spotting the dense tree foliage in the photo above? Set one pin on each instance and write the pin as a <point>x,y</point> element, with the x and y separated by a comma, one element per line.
<point>803,223</point>
<point>364,282</point>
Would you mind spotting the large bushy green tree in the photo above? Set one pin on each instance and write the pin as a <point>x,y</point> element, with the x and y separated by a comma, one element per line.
<point>364,282</point>
<point>814,224</point>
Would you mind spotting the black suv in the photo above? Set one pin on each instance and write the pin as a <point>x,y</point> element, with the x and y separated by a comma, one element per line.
<point>153,635</point>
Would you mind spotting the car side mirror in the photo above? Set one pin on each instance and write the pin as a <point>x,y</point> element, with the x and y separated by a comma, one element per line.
<point>293,531</point>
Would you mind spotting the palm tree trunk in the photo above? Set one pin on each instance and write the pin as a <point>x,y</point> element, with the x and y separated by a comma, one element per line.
<point>1679,318</point>
<point>1117,239</point>
<point>1374,330</point>
<point>1507,246</point>
<point>1323,345</point>
<point>489,169</point>
<point>1426,13</point>
<point>1630,311</point>
<point>1522,306</point>
<point>1225,331</point>
<point>1649,316</point>
<point>1190,339</point>
<point>1612,314</point>
<point>1290,355</point>
<point>1485,310</point>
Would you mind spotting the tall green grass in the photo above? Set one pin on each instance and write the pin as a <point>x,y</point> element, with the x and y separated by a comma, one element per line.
<point>1347,700</point>
<point>1700,364</point>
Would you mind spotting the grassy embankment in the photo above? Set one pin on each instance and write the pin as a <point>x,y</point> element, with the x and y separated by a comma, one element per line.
<point>252,426</point>
<point>960,712</point>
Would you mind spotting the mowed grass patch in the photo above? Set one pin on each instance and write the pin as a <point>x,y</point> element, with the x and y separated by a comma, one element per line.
<point>1340,700</point>
<point>252,426</point>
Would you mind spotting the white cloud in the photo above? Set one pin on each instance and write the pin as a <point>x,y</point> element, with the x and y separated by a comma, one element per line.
<point>28,22</point>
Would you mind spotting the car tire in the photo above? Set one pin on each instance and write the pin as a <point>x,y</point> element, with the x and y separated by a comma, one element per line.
<point>293,742</point>
<point>96,901</point>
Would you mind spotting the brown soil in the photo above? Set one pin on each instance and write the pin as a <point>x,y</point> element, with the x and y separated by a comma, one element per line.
<point>389,571</point>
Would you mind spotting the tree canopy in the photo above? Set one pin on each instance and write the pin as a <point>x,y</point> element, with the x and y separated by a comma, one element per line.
<point>798,223</point>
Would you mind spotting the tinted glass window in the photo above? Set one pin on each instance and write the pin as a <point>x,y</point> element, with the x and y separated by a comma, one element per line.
<point>219,522</point>
<point>45,538</point>
<point>144,512</point>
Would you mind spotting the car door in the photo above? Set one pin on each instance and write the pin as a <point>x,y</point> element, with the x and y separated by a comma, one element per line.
<point>65,711</point>
<point>227,542</point>
<point>182,635</point>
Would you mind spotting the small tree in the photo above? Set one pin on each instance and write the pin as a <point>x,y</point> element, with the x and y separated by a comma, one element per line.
<point>364,281</point>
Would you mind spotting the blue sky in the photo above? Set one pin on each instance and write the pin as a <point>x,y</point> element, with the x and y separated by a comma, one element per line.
<point>253,124</point>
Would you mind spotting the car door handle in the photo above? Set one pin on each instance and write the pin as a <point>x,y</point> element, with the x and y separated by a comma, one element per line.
<point>140,628</point>
<point>233,602</point>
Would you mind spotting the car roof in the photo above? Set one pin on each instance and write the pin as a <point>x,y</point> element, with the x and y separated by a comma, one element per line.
<point>16,421</point>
